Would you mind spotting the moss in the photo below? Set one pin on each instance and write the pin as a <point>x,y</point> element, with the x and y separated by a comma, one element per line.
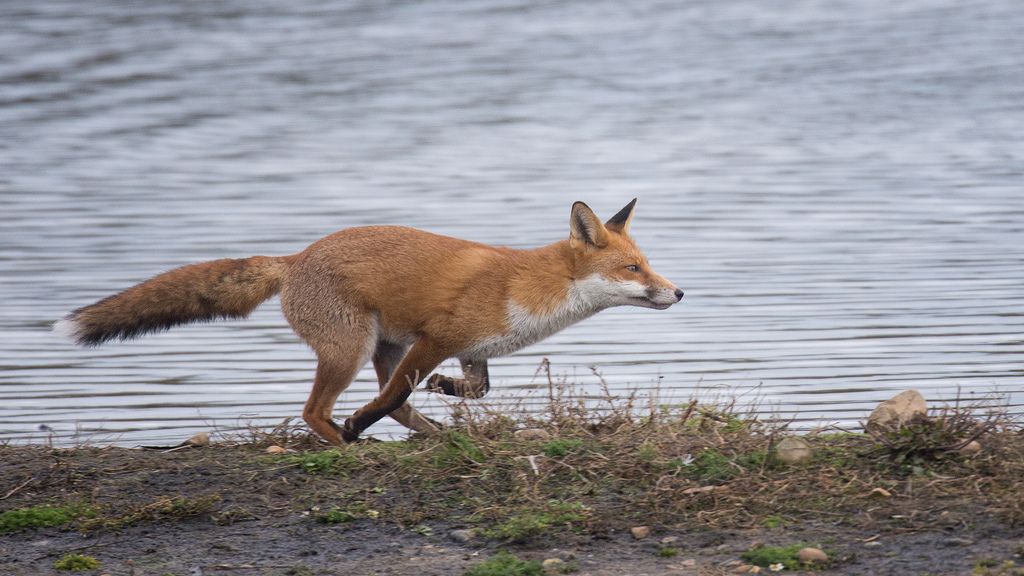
<point>76,563</point>
<point>505,564</point>
<point>42,516</point>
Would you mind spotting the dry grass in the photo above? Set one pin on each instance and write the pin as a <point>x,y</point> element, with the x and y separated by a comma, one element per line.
<point>613,461</point>
<point>597,464</point>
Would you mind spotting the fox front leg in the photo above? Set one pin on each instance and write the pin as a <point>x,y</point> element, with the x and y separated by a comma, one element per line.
<point>474,382</point>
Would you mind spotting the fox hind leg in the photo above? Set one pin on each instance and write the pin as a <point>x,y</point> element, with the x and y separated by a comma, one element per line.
<point>341,355</point>
<point>420,360</point>
<point>385,360</point>
<point>475,381</point>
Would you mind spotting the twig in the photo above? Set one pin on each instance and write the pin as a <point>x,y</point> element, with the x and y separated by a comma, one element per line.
<point>15,490</point>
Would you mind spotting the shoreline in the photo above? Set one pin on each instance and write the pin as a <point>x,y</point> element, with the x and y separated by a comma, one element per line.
<point>708,488</point>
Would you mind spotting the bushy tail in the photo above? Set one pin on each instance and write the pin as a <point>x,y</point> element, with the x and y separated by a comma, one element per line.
<point>229,288</point>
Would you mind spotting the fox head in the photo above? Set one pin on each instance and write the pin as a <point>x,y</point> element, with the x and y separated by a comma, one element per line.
<point>608,267</point>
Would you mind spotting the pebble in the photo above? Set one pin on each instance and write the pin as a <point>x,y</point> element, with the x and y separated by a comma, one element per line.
<point>670,539</point>
<point>959,542</point>
<point>275,450</point>
<point>811,555</point>
<point>640,532</point>
<point>462,536</point>
<point>201,439</point>
<point>971,448</point>
<point>532,435</point>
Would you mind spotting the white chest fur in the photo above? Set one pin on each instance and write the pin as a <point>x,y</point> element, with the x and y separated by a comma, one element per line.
<point>584,298</point>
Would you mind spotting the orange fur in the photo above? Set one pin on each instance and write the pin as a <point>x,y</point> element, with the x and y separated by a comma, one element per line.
<point>406,298</point>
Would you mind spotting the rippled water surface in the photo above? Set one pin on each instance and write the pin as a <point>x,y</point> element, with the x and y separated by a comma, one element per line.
<point>836,185</point>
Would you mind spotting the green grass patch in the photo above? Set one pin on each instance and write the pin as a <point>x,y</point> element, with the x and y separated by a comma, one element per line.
<point>525,525</point>
<point>561,446</point>
<point>42,516</point>
<point>766,556</point>
<point>505,564</point>
<point>668,552</point>
<point>77,563</point>
<point>457,449</point>
<point>325,462</point>
<point>336,516</point>
<point>772,521</point>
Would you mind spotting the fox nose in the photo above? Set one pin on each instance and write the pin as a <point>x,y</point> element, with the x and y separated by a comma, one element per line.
<point>679,294</point>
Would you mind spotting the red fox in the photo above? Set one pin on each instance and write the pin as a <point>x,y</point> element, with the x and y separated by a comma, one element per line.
<point>405,298</point>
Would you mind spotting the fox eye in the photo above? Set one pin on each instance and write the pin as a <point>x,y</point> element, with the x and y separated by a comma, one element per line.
<point>633,268</point>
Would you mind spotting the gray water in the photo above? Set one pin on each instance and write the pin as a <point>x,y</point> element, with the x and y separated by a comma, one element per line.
<point>837,186</point>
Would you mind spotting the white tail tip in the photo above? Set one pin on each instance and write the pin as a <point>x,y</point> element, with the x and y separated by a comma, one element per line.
<point>67,328</point>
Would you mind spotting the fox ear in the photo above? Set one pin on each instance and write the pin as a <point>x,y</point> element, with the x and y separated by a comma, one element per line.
<point>620,222</point>
<point>585,227</point>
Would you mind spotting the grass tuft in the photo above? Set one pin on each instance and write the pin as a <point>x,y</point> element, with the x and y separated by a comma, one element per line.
<point>766,556</point>
<point>505,564</point>
<point>76,563</point>
<point>528,524</point>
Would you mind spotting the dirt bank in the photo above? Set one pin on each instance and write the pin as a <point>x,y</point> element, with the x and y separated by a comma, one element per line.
<point>707,486</point>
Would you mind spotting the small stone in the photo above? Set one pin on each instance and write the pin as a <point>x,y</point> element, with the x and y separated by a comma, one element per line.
<point>959,542</point>
<point>704,490</point>
<point>275,450</point>
<point>881,492</point>
<point>897,411</point>
<point>198,440</point>
<point>553,565</point>
<point>872,544</point>
<point>793,450</point>
<point>670,539</point>
<point>971,448</point>
<point>532,435</point>
<point>746,569</point>
<point>462,536</point>
<point>640,532</point>
<point>688,563</point>
<point>812,556</point>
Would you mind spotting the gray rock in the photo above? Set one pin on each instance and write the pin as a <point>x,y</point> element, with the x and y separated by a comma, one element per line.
<point>897,411</point>
<point>793,450</point>
<point>462,536</point>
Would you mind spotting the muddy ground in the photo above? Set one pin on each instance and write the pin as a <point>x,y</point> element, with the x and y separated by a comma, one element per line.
<point>237,511</point>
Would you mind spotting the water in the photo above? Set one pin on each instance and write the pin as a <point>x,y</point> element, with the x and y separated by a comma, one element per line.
<point>836,185</point>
